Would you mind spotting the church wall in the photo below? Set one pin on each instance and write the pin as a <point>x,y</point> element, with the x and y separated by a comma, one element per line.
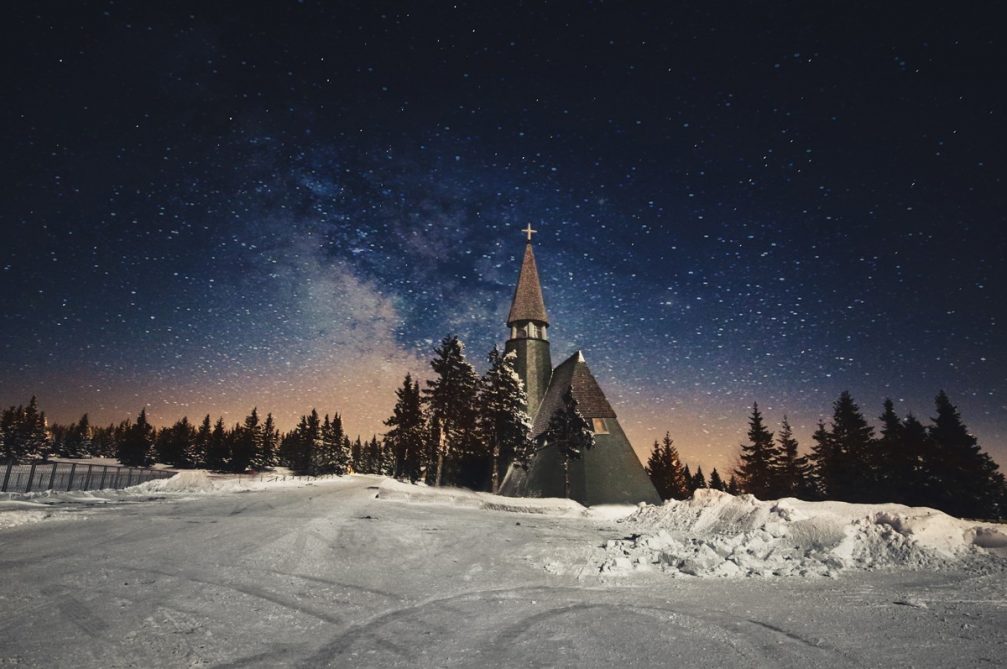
<point>534,366</point>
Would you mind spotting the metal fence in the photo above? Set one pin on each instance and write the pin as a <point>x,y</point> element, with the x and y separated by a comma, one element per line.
<point>39,476</point>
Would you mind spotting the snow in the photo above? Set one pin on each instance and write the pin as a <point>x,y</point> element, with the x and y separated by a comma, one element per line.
<point>364,572</point>
<point>715,534</point>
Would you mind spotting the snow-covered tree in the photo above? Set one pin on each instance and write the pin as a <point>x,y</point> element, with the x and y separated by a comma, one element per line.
<point>408,434</point>
<point>451,402</point>
<point>504,423</point>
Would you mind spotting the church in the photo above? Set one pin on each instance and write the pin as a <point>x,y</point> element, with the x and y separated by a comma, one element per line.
<point>608,473</point>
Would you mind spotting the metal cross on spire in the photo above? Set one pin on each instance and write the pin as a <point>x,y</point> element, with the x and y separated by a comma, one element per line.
<point>528,231</point>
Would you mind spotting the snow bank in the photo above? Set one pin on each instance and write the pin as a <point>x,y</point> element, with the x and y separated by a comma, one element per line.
<point>390,489</point>
<point>716,534</point>
<point>199,481</point>
<point>17,512</point>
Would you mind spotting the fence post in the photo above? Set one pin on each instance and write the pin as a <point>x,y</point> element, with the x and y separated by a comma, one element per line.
<point>104,471</point>
<point>115,479</point>
<point>6,477</point>
<point>52,476</point>
<point>31,475</point>
<point>87,477</point>
<point>73,468</point>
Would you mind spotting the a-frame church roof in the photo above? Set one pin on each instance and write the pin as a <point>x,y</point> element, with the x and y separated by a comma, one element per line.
<point>572,374</point>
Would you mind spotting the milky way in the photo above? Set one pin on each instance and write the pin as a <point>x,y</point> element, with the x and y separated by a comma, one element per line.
<point>210,209</point>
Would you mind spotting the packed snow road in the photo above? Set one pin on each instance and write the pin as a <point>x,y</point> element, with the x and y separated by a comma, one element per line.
<point>328,575</point>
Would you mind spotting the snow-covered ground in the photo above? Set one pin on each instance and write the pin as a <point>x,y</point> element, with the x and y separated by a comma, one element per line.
<point>362,571</point>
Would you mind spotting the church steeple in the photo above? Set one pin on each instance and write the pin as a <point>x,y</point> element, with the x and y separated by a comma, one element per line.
<point>528,304</point>
<point>529,330</point>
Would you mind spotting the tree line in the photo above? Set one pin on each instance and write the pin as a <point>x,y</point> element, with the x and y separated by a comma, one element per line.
<point>460,429</point>
<point>939,465</point>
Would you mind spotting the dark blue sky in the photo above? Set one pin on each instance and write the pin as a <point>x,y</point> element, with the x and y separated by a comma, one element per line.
<point>285,205</point>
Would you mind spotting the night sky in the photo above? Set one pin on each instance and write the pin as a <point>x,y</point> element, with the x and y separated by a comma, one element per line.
<point>211,208</point>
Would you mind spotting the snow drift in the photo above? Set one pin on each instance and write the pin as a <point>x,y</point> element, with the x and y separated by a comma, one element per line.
<point>716,534</point>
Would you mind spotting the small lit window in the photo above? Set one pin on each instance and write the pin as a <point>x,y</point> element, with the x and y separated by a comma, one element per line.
<point>599,426</point>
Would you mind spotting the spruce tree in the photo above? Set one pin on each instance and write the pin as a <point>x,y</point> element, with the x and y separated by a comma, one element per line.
<point>246,442</point>
<point>33,438</point>
<point>687,473</point>
<point>570,434</point>
<point>407,436</point>
<point>201,444</point>
<point>853,440</point>
<point>77,442</point>
<point>698,481</point>
<point>265,458</point>
<point>923,468</point>
<point>732,485</point>
<point>793,472</point>
<point>971,483</point>
<point>894,465</point>
<point>451,401</point>
<point>357,456</point>
<point>136,449</point>
<point>757,472</point>
<point>217,452</point>
<point>717,483</point>
<point>665,470</point>
<point>503,419</point>
<point>823,462</point>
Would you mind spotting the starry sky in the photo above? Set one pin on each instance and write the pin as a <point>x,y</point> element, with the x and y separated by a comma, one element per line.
<point>285,205</point>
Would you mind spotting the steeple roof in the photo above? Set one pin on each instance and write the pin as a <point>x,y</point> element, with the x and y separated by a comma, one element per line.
<point>528,304</point>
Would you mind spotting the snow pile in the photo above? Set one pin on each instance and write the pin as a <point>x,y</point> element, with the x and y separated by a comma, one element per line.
<point>199,481</point>
<point>390,489</point>
<point>190,481</point>
<point>716,534</point>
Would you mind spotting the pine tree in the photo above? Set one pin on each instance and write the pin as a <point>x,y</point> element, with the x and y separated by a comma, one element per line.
<point>246,442</point>
<point>757,471</point>
<point>451,401</point>
<point>357,456</point>
<point>717,483</point>
<point>217,453</point>
<point>687,473</point>
<point>893,464</point>
<point>332,457</point>
<point>34,437</point>
<point>570,433</point>
<point>923,484</point>
<point>733,486</point>
<point>792,470</point>
<point>972,485</point>
<point>853,440</point>
<point>174,445</point>
<point>265,458</point>
<point>823,462</point>
<point>77,440</point>
<point>698,481</point>
<point>408,435</point>
<point>665,470</point>
<point>136,448</point>
<point>10,422</point>
<point>201,444</point>
<point>503,419</point>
